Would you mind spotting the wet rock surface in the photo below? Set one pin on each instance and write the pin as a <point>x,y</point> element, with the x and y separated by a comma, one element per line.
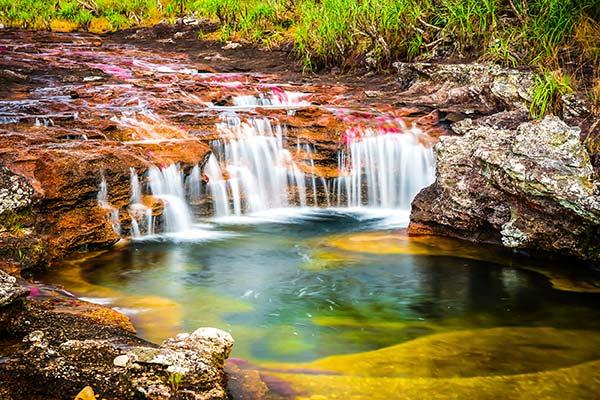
<point>529,187</point>
<point>68,344</point>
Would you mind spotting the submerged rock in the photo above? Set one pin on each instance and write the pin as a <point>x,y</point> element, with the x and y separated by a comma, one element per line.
<point>531,187</point>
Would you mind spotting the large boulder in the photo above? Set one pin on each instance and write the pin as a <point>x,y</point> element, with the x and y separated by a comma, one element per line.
<point>529,187</point>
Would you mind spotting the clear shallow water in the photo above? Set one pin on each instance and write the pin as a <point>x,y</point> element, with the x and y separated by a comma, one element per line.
<point>294,287</point>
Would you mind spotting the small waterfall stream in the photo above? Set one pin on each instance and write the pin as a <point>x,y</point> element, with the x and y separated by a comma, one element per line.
<point>105,204</point>
<point>142,219</point>
<point>261,173</point>
<point>167,184</point>
<point>384,170</point>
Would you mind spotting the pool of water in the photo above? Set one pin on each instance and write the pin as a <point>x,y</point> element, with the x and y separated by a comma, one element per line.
<point>321,290</point>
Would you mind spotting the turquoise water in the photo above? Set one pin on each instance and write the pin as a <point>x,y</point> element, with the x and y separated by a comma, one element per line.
<point>319,284</point>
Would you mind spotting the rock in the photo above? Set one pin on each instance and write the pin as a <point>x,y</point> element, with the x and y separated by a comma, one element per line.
<point>87,393</point>
<point>231,46</point>
<point>469,88</point>
<point>13,76</point>
<point>10,290</point>
<point>66,347</point>
<point>121,361</point>
<point>15,192</point>
<point>508,185</point>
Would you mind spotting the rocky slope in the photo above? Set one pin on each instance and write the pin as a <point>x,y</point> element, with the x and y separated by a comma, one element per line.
<point>501,178</point>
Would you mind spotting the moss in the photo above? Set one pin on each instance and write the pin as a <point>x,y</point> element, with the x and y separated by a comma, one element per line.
<point>15,222</point>
<point>61,25</point>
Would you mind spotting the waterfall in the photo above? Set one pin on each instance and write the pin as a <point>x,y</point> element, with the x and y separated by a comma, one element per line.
<point>276,99</point>
<point>103,202</point>
<point>194,184</point>
<point>136,191</point>
<point>382,170</point>
<point>141,215</point>
<point>167,185</point>
<point>218,188</point>
<point>251,170</point>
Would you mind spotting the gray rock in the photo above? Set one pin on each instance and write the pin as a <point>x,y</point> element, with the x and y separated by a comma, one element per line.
<point>10,290</point>
<point>529,187</point>
<point>471,88</point>
<point>121,361</point>
<point>15,192</point>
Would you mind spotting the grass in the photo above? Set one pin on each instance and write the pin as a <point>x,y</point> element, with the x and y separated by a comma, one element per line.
<point>543,34</point>
<point>548,89</point>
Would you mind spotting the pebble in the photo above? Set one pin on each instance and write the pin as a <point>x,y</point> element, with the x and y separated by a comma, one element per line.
<point>121,361</point>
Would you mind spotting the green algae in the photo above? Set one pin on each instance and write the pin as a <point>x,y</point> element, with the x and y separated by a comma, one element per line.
<point>469,353</point>
<point>580,382</point>
<point>500,363</point>
<point>355,246</point>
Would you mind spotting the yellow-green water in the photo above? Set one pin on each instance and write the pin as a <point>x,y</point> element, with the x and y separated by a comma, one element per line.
<point>330,306</point>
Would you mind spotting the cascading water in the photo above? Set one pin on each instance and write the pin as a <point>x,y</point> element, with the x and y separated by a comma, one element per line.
<point>384,170</point>
<point>167,184</point>
<point>261,173</point>
<point>194,184</point>
<point>251,171</point>
<point>277,99</point>
<point>103,202</point>
<point>142,219</point>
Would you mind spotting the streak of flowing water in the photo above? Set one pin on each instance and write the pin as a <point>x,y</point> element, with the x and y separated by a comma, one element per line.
<point>194,184</point>
<point>136,191</point>
<point>261,173</point>
<point>384,170</point>
<point>141,215</point>
<point>277,99</point>
<point>103,202</point>
<point>167,185</point>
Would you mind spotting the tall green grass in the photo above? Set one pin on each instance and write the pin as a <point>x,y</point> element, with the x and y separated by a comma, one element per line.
<point>342,32</point>
<point>548,88</point>
<point>38,14</point>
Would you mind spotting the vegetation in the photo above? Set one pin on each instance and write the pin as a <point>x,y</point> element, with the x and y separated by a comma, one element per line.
<point>548,89</point>
<point>555,34</point>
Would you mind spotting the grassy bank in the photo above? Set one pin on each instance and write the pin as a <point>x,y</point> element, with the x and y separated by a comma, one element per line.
<point>561,38</point>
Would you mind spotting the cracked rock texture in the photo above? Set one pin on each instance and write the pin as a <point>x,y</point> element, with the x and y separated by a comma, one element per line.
<point>10,290</point>
<point>67,344</point>
<point>471,89</point>
<point>528,187</point>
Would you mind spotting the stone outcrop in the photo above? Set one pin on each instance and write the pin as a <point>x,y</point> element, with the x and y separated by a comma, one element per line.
<point>526,187</point>
<point>470,89</point>
<point>67,344</point>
